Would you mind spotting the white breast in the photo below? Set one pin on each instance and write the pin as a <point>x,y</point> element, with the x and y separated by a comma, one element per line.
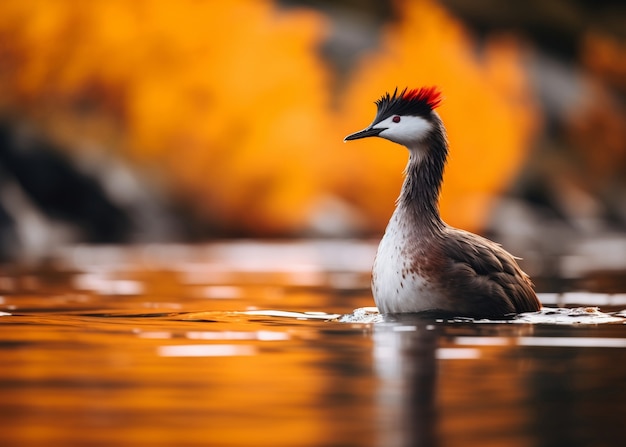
<point>396,286</point>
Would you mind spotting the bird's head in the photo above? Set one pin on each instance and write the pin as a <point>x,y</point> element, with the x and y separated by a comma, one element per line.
<point>405,118</point>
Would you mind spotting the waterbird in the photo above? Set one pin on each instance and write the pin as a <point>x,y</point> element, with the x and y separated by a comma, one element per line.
<point>422,263</point>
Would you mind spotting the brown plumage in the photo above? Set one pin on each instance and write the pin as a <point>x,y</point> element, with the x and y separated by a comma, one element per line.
<point>422,263</point>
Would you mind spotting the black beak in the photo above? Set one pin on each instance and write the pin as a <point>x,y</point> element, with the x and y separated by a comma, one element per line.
<point>369,132</point>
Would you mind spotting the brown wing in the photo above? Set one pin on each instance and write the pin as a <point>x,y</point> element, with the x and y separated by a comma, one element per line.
<point>486,275</point>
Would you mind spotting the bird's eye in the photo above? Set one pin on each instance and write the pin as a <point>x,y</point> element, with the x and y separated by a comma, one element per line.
<point>396,119</point>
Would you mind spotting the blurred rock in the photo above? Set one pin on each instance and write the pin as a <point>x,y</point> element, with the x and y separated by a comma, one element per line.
<point>48,199</point>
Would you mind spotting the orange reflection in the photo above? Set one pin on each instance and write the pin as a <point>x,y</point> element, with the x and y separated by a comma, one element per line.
<point>229,103</point>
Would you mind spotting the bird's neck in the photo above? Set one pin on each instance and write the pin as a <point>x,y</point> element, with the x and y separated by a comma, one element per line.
<point>419,198</point>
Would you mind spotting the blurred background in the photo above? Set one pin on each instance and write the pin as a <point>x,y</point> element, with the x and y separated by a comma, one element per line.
<point>129,121</point>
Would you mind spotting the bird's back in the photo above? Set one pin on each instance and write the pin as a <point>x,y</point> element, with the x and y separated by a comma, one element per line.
<point>484,276</point>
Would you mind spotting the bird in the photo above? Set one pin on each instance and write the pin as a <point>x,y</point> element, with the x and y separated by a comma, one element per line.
<point>424,265</point>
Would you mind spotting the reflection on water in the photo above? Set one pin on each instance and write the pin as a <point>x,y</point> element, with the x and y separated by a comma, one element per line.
<point>233,346</point>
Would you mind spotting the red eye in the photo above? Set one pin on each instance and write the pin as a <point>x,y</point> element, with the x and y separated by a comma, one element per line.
<point>396,119</point>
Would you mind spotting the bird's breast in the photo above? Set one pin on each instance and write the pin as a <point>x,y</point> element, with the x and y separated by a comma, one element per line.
<point>402,279</point>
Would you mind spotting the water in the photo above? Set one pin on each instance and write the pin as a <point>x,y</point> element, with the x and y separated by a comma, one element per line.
<point>250,344</point>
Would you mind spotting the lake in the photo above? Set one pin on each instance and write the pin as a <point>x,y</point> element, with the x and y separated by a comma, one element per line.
<point>253,343</point>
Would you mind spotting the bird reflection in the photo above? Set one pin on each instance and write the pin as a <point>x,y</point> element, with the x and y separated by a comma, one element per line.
<point>405,363</point>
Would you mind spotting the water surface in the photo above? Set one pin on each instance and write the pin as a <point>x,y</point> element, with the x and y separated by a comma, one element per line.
<point>259,344</point>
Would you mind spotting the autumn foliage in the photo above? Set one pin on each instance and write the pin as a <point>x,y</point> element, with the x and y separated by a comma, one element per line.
<point>230,105</point>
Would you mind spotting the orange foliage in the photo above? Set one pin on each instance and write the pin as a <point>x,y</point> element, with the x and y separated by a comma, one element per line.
<point>229,102</point>
<point>225,98</point>
<point>604,55</point>
<point>486,110</point>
